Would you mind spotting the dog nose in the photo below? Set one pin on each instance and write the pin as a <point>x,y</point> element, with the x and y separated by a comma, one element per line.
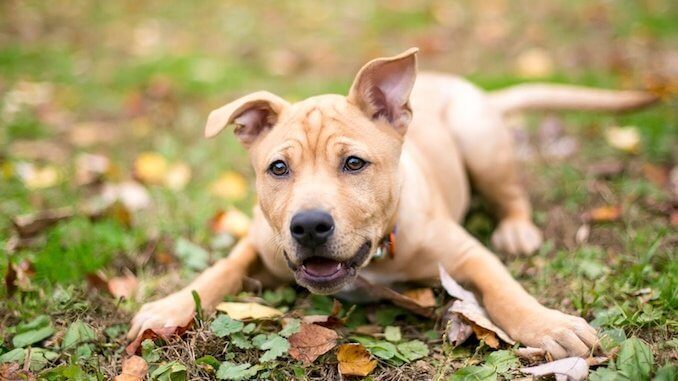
<point>312,228</point>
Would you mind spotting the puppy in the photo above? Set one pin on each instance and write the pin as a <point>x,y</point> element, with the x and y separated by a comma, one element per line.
<point>377,182</point>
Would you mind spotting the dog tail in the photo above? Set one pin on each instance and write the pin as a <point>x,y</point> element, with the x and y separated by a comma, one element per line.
<point>544,96</point>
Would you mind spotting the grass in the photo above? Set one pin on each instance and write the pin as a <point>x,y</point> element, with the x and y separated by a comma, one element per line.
<point>148,74</point>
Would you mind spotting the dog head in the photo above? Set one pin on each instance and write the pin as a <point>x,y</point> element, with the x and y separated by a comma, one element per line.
<point>327,168</point>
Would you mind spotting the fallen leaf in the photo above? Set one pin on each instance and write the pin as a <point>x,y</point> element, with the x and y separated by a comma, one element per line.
<point>85,134</point>
<point>131,194</point>
<point>656,174</point>
<point>326,321</point>
<point>38,150</point>
<point>423,296</point>
<point>397,298</point>
<point>354,360</point>
<point>534,63</point>
<point>567,369</point>
<point>38,177</point>
<point>177,176</point>
<point>133,369</point>
<point>232,221</point>
<point>608,213</point>
<point>240,311</point>
<point>29,225</point>
<point>311,342</point>
<point>14,372</point>
<point>231,186</point>
<point>470,310</point>
<point>164,333</point>
<point>458,331</point>
<point>626,139</point>
<point>582,234</point>
<point>369,329</point>
<point>606,169</point>
<point>123,286</point>
<point>150,168</point>
<point>91,168</point>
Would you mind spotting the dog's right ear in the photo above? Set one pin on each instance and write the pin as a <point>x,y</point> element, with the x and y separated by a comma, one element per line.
<point>252,114</point>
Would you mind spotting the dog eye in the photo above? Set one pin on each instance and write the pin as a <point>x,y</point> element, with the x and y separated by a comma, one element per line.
<point>278,168</point>
<point>354,163</point>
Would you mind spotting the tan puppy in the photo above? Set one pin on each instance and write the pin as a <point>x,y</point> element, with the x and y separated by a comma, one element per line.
<point>336,174</point>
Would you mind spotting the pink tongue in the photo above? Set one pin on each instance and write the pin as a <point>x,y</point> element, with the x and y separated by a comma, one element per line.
<point>321,266</point>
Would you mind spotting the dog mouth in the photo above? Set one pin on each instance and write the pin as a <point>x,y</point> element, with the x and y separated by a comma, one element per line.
<point>322,275</point>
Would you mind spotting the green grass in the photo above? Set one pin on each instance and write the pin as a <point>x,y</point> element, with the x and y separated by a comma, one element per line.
<point>199,56</point>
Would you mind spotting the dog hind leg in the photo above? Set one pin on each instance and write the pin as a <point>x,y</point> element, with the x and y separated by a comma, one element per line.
<point>487,149</point>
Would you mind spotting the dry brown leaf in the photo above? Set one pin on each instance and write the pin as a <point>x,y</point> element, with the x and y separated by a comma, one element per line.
<point>29,225</point>
<point>369,329</point>
<point>354,360</point>
<point>470,310</point>
<point>91,168</point>
<point>232,221</point>
<point>311,342</point>
<point>656,174</point>
<point>567,369</point>
<point>231,186</point>
<point>150,168</point>
<point>19,276</point>
<point>489,337</point>
<point>133,369</point>
<point>240,311</point>
<point>44,150</point>
<point>381,292</point>
<point>14,372</point>
<point>323,320</point>
<point>626,139</point>
<point>123,286</point>
<point>458,331</point>
<point>164,333</point>
<point>604,214</point>
<point>423,296</point>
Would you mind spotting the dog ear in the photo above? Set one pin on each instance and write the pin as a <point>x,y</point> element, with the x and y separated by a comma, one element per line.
<point>382,88</point>
<point>252,114</point>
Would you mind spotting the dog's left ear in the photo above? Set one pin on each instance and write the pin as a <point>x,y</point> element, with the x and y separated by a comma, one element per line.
<point>382,88</point>
<point>252,115</point>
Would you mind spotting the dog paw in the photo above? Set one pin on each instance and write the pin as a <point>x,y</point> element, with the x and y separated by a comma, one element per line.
<point>517,236</point>
<point>175,310</point>
<point>559,334</point>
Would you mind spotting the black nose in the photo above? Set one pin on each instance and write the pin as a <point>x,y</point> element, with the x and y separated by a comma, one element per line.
<point>312,228</point>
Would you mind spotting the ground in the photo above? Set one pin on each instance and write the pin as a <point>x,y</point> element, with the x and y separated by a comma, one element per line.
<point>132,82</point>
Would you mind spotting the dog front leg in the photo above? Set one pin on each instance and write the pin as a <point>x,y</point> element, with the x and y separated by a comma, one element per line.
<point>176,310</point>
<point>507,303</point>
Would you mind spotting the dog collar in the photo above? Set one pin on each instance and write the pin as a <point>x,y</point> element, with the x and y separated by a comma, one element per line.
<point>386,247</point>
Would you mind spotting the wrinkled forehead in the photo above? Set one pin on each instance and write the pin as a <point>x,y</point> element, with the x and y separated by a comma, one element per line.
<point>317,127</point>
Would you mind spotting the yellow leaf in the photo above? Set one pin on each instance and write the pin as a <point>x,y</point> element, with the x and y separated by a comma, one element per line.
<point>133,369</point>
<point>230,185</point>
<point>150,168</point>
<point>232,221</point>
<point>240,311</point>
<point>423,296</point>
<point>38,178</point>
<point>177,176</point>
<point>534,63</point>
<point>626,139</point>
<point>354,360</point>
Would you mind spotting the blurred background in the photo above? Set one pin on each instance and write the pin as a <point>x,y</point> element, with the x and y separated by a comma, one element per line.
<point>102,106</point>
